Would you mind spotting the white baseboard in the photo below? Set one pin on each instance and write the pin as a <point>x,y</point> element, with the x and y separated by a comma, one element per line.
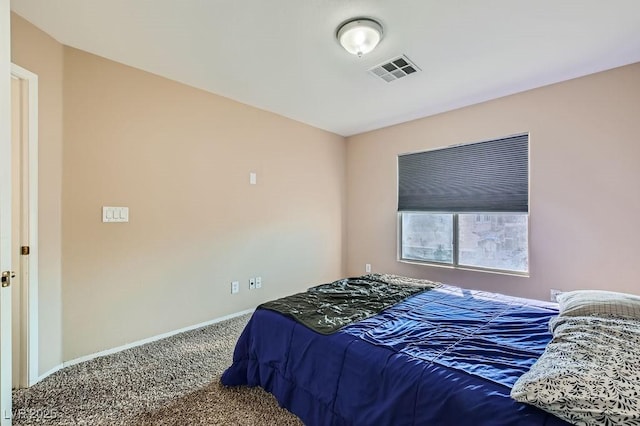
<point>47,374</point>
<point>141,342</point>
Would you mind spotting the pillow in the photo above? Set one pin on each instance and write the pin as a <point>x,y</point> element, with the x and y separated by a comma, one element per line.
<point>589,373</point>
<point>599,303</point>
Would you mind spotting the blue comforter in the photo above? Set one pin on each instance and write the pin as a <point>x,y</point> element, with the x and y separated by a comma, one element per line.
<point>445,357</point>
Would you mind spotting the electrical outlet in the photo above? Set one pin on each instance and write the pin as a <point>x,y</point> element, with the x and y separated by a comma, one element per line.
<point>554,294</point>
<point>367,268</point>
<point>252,283</point>
<point>258,282</point>
<point>235,287</point>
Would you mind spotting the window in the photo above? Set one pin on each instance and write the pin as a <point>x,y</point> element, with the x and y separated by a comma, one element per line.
<point>488,241</point>
<point>467,205</point>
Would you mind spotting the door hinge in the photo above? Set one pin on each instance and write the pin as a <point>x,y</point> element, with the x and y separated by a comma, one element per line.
<point>25,250</point>
<point>6,278</point>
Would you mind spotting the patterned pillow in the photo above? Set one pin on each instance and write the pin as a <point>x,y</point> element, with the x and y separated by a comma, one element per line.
<point>589,373</point>
<point>599,303</point>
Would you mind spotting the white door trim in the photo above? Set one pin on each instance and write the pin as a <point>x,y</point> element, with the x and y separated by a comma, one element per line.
<point>5,211</point>
<point>29,308</point>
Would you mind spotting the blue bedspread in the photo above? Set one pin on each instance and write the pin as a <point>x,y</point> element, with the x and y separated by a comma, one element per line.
<point>448,356</point>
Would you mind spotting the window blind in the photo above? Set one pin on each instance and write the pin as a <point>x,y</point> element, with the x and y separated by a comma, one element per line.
<point>491,176</point>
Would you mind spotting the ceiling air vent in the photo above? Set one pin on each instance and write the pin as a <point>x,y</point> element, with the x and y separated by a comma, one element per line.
<point>394,69</point>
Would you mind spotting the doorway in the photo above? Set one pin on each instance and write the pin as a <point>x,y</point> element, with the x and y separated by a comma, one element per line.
<point>24,226</point>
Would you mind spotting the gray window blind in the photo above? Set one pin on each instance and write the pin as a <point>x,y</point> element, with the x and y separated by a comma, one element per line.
<point>491,176</point>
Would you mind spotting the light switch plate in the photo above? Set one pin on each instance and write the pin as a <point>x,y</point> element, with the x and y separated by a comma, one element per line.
<point>115,214</point>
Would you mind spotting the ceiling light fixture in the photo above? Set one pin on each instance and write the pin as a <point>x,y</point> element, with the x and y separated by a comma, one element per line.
<point>359,36</point>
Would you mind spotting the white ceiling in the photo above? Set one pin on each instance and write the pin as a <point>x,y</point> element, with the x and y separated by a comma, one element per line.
<point>282,55</point>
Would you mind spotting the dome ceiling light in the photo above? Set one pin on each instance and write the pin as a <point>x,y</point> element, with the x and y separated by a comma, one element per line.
<point>359,36</point>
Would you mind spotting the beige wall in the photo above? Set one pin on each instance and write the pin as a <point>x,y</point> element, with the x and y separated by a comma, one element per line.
<point>36,51</point>
<point>180,158</point>
<point>584,184</point>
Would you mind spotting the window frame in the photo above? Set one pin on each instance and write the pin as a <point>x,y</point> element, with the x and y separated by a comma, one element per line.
<point>456,245</point>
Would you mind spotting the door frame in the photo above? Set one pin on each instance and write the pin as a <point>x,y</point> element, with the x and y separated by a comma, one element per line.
<point>5,211</point>
<point>29,210</point>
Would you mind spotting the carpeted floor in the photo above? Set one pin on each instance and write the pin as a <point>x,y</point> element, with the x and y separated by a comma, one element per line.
<point>174,381</point>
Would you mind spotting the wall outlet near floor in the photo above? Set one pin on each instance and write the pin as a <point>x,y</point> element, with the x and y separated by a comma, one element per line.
<point>367,268</point>
<point>258,282</point>
<point>235,287</point>
<point>554,293</point>
<point>252,283</point>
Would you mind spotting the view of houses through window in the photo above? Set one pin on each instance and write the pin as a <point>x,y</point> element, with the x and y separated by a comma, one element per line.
<point>484,240</point>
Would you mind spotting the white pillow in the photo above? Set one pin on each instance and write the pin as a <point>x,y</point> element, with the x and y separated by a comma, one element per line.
<point>599,303</point>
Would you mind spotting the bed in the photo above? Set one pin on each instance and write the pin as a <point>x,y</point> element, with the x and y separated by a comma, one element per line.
<point>443,356</point>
